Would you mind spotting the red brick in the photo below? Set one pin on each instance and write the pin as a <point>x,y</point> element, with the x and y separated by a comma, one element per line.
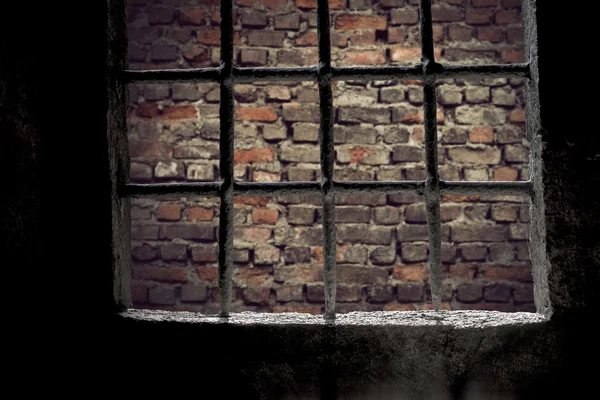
<point>299,273</point>
<point>444,305</point>
<point>478,17</point>
<point>178,112</point>
<point>462,271</point>
<point>245,3</point>
<point>192,16</point>
<point>262,114</point>
<point>346,22</point>
<point>273,3</point>
<point>170,274</point>
<point>411,273</point>
<point>169,212</point>
<point>252,276</point>
<point>481,134</point>
<point>365,57</point>
<point>489,34</point>
<point>333,4</point>
<point>255,235</point>
<point>200,214</point>
<point>211,37</point>
<point>264,216</point>
<point>398,307</point>
<point>508,17</point>
<point>147,110</point>
<point>510,273</point>
<point>505,174</point>
<point>446,14</point>
<point>405,53</point>
<point>209,274</point>
<point>438,33</point>
<point>306,309</point>
<point>419,118</point>
<point>517,116</point>
<point>396,35</point>
<point>253,156</point>
<point>252,200</point>
<point>512,56</point>
<point>511,3</point>
<point>308,39</point>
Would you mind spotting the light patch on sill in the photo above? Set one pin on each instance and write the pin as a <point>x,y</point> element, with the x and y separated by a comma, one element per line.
<point>454,319</point>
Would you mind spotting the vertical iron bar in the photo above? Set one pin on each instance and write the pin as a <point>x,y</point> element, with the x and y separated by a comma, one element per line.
<point>226,115</point>
<point>327,153</point>
<point>432,186</point>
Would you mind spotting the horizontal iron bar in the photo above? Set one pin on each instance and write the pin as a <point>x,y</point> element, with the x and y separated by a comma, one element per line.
<point>310,73</point>
<point>379,187</point>
<point>482,71</point>
<point>172,75</point>
<point>484,187</point>
<point>275,188</point>
<point>249,75</point>
<point>170,189</point>
<point>290,188</point>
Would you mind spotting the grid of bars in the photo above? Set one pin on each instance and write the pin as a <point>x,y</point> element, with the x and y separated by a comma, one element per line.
<point>324,74</point>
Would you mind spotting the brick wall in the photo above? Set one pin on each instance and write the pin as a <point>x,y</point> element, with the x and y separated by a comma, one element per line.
<point>382,240</point>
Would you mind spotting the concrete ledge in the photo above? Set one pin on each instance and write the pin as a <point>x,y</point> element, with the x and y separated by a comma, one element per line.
<point>452,319</point>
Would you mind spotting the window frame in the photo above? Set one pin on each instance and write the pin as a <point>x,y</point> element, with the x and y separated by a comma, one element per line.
<point>227,75</point>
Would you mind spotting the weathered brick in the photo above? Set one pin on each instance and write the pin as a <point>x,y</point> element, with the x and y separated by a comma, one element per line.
<point>203,232</point>
<point>449,95</point>
<point>266,38</point>
<point>502,252</point>
<point>362,275</point>
<point>365,57</point>
<point>357,214</point>
<point>392,95</point>
<point>504,96</point>
<point>173,252</point>
<point>383,255</point>
<point>200,172</point>
<point>364,115</point>
<point>365,234</point>
<point>287,22</point>
<point>253,18</point>
<point>312,4</point>
<point>165,170</point>
<point>411,273</point>
<point>159,14</point>
<point>475,155</point>
<point>210,37</point>
<point>185,91</point>
<point>297,112</point>
<point>289,293</point>
<point>348,21</point>
<point>297,57</point>
<point>484,3</point>
<point>240,256</point>
<point>479,16</point>
<point>410,292</point>
<point>396,35</point>
<point>415,213</point>
<point>487,116</point>
<point>161,274</point>
<point>477,94</point>
<point>161,295</point>
<point>144,253</point>
<point>298,273</point>
<point>194,293</point>
<point>266,255</point>
<point>192,16</point>
<point>460,33</point>
<point>504,213</point>
<point>489,34</point>
<point>266,216</point>
<point>471,252</point>
<point>254,295</point>
<point>301,174</point>
<point>144,232</point>
<point>139,294</point>
<point>512,56</point>
<point>409,233</point>
<point>140,172</point>
<point>414,252</point>
<point>352,134</point>
<point>253,276</point>
<point>204,253</point>
<point>407,16</point>
<point>523,293</point>
<point>301,215</point>
<point>441,13</point>
<point>469,292</point>
<point>252,57</point>
<point>408,154</point>
<point>296,255</point>
<point>387,215</point>
<point>462,272</point>
<point>476,174</point>
<point>454,135</point>
<point>478,233</point>
<point>155,92</point>
<point>518,231</point>
<point>516,153</point>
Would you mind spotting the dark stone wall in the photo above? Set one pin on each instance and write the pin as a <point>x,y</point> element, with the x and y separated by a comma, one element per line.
<point>56,233</point>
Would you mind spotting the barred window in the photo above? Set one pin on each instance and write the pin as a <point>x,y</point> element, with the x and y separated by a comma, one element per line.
<point>314,156</point>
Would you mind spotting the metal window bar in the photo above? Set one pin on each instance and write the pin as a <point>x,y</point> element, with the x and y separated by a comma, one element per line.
<point>432,188</point>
